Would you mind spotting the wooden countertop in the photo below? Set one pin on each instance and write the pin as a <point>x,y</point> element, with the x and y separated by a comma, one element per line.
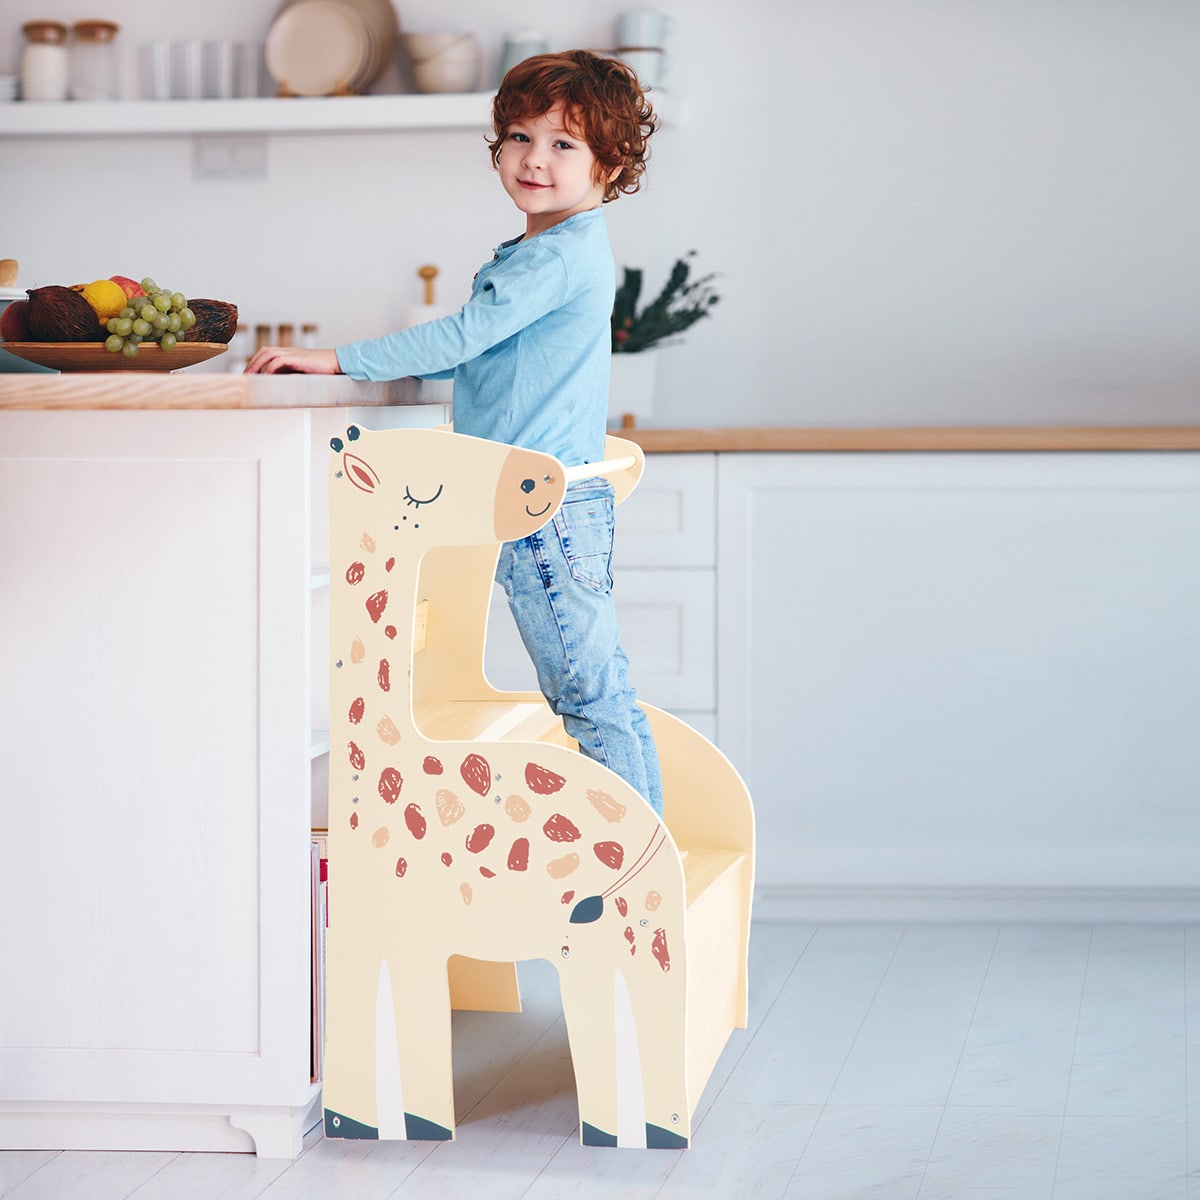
<point>918,438</point>
<point>153,390</point>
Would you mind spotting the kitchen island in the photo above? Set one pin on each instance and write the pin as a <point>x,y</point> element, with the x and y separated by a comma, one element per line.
<point>163,583</point>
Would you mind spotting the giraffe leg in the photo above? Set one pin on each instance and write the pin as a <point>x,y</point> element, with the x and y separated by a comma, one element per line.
<point>660,1019</point>
<point>420,1012</point>
<point>348,1086</point>
<point>588,1011</point>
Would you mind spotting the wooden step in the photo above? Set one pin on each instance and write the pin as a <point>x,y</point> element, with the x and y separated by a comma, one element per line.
<point>702,868</point>
<point>486,720</point>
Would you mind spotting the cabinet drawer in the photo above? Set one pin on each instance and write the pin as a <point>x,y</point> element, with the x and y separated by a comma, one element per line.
<point>669,518</point>
<point>667,623</point>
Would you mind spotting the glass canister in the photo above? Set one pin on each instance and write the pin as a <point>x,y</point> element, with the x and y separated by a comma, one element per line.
<point>44,62</point>
<point>94,61</point>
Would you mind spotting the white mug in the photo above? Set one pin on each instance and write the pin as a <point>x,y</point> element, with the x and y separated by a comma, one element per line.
<point>156,70</point>
<point>187,70</point>
<point>520,46</point>
<point>647,66</point>
<point>643,30</point>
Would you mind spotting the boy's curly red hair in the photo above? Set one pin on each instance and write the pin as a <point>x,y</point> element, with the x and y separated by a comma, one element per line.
<point>603,102</point>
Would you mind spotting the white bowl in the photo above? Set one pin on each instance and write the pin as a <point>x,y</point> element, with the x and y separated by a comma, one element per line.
<point>443,62</point>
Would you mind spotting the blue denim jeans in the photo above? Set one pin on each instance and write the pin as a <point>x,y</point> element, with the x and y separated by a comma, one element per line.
<point>559,587</point>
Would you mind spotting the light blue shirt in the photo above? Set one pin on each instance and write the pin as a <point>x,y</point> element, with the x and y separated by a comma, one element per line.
<point>529,352</point>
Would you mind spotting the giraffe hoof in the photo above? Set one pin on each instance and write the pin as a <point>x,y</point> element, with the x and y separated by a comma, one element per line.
<point>591,1136</point>
<point>421,1130</point>
<point>658,1138</point>
<point>337,1126</point>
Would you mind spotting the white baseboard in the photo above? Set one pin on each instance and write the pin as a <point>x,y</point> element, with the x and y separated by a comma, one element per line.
<point>956,903</point>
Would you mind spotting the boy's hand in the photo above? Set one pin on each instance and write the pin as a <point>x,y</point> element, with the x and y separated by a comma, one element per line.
<point>273,360</point>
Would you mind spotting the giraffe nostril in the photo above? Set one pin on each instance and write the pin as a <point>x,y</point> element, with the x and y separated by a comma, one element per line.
<point>527,486</point>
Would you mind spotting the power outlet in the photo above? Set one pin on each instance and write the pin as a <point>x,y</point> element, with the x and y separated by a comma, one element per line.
<point>229,158</point>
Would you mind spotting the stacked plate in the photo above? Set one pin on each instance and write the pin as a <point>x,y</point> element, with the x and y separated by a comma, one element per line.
<point>330,47</point>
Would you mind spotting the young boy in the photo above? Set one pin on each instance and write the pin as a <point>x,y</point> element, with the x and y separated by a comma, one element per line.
<point>529,355</point>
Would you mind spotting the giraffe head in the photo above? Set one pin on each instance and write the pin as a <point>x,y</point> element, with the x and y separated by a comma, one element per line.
<point>449,489</point>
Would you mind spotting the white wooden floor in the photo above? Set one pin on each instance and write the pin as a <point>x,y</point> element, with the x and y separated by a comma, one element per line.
<point>927,1062</point>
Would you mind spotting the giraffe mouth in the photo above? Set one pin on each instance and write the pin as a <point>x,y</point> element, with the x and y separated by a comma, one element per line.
<point>541,513</point>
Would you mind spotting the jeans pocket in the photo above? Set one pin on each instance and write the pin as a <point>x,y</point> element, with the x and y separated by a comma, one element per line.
<point>585,531</point>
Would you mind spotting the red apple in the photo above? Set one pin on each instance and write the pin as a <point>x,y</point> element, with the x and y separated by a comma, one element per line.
<point>129,286</point>
<point>14,322</point>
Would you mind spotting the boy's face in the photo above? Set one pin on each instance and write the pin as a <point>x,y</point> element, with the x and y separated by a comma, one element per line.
<point>549,172</point>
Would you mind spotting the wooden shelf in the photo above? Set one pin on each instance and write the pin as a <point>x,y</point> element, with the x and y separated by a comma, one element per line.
<point>262,115</point>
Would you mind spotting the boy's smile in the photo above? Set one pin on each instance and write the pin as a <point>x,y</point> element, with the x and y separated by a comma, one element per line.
<point>548,171</point>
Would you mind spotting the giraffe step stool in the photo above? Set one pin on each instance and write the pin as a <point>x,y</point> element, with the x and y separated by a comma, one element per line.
<point>467,832</point>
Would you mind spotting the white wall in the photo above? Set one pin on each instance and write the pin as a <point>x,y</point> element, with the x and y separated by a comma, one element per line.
<point>966,211</point>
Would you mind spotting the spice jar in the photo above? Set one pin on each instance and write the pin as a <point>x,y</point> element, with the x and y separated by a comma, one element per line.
<point>93,61</point>
<point>44,63</point>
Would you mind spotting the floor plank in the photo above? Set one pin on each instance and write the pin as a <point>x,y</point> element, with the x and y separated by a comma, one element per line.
<point>923,1062</point>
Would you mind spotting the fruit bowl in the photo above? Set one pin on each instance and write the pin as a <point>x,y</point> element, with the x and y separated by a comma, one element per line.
<point>92,356</point>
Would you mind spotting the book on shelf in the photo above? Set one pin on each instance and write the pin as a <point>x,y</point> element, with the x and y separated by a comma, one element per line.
<point>319,899</point>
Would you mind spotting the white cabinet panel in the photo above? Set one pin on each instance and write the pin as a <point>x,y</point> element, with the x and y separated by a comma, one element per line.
<point>161,580</point>
<point>668,520</point>
<point>964,669</point>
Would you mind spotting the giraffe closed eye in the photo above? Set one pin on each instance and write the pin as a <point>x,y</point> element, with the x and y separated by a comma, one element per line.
<point>414,502</point>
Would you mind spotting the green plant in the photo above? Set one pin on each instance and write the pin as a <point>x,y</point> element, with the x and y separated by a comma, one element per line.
<point>680,304</point>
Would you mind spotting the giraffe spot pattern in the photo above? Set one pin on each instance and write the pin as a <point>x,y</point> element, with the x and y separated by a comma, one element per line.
<point>607,806</point>
<point>376,603</point>
<point>467,894</point>
<point>358,651</point>
<point>542,781</point>
<point>384,676</point>
<point>367,542</point>
<point>567,897</point>
<point>518,855</point>
<point>358,760</point>
<point>358,706</point>
<point>447,859</point>
<point>622,906</point>
<point>415,820</point>
<point>432,766</point>
<point>559,868</point>
<point>517,807</point>
<point>611,854</point>
<point>390,783</point>
<point>355,572</point>
<point>486,873</point>
<point>387,730</point>
<point>390,631</point>
<point>401,867</point>
<point>480,838</point>
<point>449,807</point>
<point>476,773</point>
<point>559,828</point>
<point>354,820</point>
<point>653,900</point>
<point>379,838</point>
<point>658,947</point>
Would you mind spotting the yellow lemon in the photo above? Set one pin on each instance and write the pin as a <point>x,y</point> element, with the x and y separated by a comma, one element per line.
<point>106,297</point>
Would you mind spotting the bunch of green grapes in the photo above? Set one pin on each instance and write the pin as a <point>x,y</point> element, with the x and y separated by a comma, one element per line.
<point>161,316</point>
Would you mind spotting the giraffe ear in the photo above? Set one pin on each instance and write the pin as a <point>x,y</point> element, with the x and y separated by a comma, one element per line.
<point>360,472</point>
